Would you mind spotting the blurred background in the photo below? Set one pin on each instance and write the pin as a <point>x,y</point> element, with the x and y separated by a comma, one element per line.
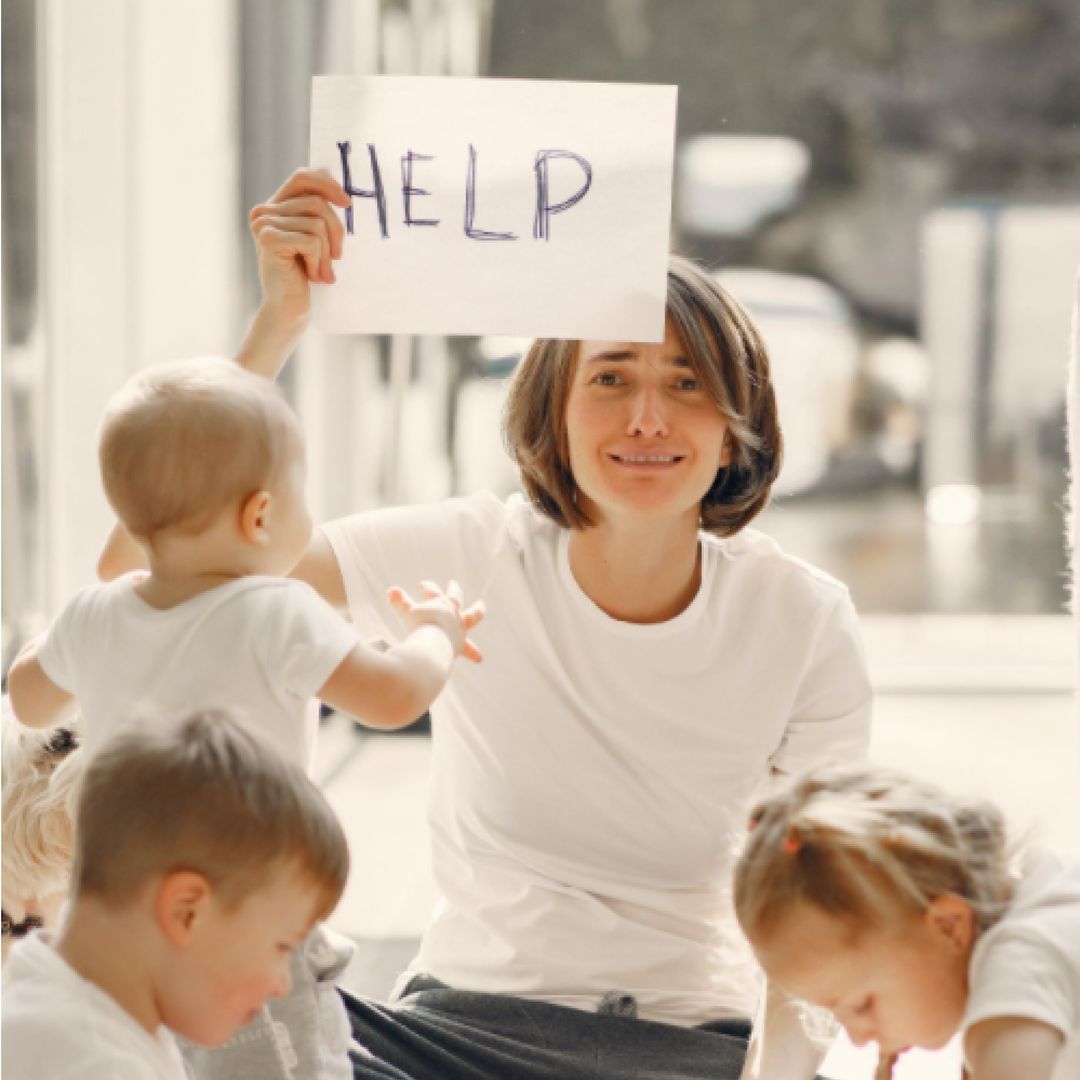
<point>892,187</point>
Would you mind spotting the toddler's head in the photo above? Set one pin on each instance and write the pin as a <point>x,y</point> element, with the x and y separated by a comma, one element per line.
<point>219,853</point>
<point>183,442</point>
<point>862,891</point>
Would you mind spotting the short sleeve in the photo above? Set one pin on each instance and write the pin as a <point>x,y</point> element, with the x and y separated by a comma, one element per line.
<point>830,718</point>
<point>305,639</point>
<point>404,545</point>
<point>59,651</point>
<point>1020,974</point>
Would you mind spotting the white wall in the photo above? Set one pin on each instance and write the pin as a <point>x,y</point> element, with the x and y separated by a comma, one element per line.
<point>141,227</point>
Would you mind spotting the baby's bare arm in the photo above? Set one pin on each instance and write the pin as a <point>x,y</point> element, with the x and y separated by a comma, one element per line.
<point>392,689</point>
<point>35,699</point>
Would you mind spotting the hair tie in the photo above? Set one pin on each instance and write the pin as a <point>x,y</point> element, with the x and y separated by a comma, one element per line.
<point>791,844</point>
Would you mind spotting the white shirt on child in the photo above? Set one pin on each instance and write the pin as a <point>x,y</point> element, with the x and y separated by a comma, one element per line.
<point>56,1025</point>
<point>591,777</point>
<point>1027,965</point>
<point>259,646</point>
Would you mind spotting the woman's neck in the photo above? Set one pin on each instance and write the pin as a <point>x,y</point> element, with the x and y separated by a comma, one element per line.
<point>644,574</point>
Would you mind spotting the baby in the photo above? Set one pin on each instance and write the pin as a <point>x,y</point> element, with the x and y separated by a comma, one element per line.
<point>892,904</point>
<point>204,465</point>
<point>202,859</point>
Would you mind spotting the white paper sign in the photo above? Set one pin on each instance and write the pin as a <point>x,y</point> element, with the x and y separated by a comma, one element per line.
<point>497,206</point>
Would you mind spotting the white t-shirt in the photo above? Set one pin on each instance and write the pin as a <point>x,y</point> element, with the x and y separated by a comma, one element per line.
<point>58,1026</point>
<point>1028,964</point>
<point>259,646</point>
<point>591,777</point>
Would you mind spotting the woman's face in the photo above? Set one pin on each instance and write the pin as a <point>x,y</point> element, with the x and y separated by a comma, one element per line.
<point>644,436</point>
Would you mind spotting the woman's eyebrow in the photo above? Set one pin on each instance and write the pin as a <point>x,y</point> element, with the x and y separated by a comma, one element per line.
<point>609,355</point>
<point>612,354</point>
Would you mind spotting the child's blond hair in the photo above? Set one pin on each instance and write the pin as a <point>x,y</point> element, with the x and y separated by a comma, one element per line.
<point>207,795</point>
<point>867,845</point>
<point>181,441</point>
<point>870,847</point>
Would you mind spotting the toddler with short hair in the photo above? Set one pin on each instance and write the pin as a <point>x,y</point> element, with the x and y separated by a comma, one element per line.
<point>897,906</point>
<point>203,463</point>
<point>203,858</point>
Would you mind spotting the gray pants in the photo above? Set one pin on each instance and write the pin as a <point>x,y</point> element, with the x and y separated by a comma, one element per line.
<point>435,1033</point>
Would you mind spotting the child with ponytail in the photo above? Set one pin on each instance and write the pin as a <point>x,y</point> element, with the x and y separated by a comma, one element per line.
<point>896,907</point>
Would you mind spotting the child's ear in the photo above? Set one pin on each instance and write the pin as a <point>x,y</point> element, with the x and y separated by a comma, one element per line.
<point>182,900</point>
<point>950,917</point>
<point>255,517</point>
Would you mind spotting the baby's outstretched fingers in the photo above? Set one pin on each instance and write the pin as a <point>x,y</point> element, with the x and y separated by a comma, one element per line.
<point>399,598</point>
<point>473,614</point>
<point>470,651</point>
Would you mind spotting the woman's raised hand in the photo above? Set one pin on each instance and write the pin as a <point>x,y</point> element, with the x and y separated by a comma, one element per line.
<point>297,236</point>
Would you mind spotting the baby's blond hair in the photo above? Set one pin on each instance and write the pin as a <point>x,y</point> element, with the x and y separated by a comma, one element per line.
<point>181,441</point>
<point>868,845</point>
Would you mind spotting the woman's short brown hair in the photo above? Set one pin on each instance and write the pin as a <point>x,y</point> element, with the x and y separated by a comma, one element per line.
<point>727,354</point>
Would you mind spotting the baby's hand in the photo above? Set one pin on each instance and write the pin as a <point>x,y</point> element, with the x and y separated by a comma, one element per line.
<point>441,609</point>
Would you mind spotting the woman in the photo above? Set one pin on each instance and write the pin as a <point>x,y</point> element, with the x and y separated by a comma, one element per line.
<point>648,660</point>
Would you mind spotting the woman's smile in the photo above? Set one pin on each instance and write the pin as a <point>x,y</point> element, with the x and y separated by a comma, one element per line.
<point>640,460</point>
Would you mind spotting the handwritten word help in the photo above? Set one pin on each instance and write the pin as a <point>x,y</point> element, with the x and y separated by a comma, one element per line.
<point>411,194</point>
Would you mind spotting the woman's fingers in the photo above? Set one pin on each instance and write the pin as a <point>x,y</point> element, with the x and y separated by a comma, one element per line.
<point>312,224</point>
<point>303,204</point>
<point>297,236</point>
<point>311,182</point>
<point>310,214</point>
<point>287,245</point>
<point>285,225</point>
